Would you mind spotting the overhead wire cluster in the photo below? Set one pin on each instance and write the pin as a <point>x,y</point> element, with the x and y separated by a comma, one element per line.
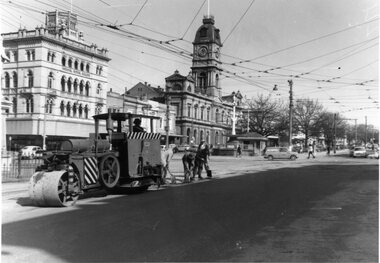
<point>262,76</point>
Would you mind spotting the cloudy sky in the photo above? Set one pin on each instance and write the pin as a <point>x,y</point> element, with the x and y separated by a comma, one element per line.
<point>328,48</point>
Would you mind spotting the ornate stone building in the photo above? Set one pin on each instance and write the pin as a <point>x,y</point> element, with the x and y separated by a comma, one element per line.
<point>55,81</point>
<point>202,112</point>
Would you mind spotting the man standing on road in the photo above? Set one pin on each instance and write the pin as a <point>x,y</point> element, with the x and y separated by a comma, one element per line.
<point>310,151</point>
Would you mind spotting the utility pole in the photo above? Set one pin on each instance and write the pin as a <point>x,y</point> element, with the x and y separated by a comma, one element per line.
<point>290,112</point>
<point>167,120</point>
<point>233,116</point>
<point>365,143</point>
<point>334,136</point>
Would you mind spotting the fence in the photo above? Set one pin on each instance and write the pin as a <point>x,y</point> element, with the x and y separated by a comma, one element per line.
<point>14,168</point>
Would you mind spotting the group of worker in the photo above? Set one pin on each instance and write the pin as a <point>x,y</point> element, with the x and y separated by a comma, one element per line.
<point>193,162</point>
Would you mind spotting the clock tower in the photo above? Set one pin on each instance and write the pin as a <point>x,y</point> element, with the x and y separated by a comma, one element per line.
<point>206,59</point>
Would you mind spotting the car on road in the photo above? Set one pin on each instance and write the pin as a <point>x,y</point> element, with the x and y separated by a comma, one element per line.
<point>360,152</point>
<point>279,153</point>
<point>31,152</point>
<point>182,147</point>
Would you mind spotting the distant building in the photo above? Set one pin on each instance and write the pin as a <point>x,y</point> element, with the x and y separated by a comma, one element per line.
<point>202,112</point>
<point>55,81</point>
<point>146,91</point>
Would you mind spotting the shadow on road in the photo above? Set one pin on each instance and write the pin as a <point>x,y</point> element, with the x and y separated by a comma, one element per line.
<point>211,221</point>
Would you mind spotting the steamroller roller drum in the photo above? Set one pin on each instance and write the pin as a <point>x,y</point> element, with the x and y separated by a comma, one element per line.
<point>50,189</point>
<point>109,170</point>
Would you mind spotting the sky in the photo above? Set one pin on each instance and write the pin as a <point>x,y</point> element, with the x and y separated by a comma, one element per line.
<point>329,49</point>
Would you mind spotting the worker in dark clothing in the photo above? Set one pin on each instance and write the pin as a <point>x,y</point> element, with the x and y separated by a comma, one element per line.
<point>137,126</point>
<point>188,164</point>
<point>201,159</point>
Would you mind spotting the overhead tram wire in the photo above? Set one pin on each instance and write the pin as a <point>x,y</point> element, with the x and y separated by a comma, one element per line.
<point>311,40</point>
<point>133,20</point>
<point>241,18</point>
<point>192,21</point>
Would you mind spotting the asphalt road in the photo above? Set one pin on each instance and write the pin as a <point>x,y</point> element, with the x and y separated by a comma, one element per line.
<point>321,211</point>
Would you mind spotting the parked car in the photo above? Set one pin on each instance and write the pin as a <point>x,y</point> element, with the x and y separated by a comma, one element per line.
<point>31,152</point>
<point>182,147</point>
<point>279,153</point>
<point>373,154</point>
<point>360,152</point>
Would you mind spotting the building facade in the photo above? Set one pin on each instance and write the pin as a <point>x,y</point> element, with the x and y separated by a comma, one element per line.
<point>55,81</point>
<point>202,112</point>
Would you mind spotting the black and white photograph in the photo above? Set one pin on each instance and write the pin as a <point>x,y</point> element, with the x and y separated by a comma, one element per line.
<point>189,131</point>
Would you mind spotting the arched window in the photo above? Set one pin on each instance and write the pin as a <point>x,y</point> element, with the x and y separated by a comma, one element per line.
<point>99,89</point>
<point>217,80</point>
<point>202,112</point>
<point>217,115</point>
<point>86,110</point>
<point>69,84</point>
<point>195,136</point>
<point>81,66</point>
<point>49,106</point>
<point>88,68</point>
<point>76,86</point>
<point>222,119</point>
<point>196,111</point>
<point>76,64</point>
<point>189,110</point>
<point>28,55</point>
<point>68,109</point>
<point>81,87</point>
<point>217,138</point>
<point>188,135</point>
<point>208,114</point>
<point>50,80</point>
<point>30,79</point>
<point>87,88</point>
<point>203,32</point>
<point>29,105</point>
<point>52,57</point>
<point>189,88</point>
<point>64,61</point>
<point>74,110</point>
<point>62,107</point>
<point>80,111</point>
<point>63,83</point>
<point>208,137</point>
<point>48,56</point>
<point>201,135</point>
<point>70,63</point>
<point>7,80</point>
<point>15,80</point>
<point>202,82</point>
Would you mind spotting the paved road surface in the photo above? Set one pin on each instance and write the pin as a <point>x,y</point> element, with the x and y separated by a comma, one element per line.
<point>309,210</point>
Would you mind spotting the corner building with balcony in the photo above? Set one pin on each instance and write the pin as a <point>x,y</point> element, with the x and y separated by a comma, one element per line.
<point>202,112</point>
<point>55,81</point>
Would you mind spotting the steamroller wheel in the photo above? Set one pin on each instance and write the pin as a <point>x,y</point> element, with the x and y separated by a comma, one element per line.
<point>109,171</point>
<point>52,189</point>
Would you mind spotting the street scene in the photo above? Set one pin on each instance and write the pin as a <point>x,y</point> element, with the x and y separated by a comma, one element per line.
<point>189,131</point>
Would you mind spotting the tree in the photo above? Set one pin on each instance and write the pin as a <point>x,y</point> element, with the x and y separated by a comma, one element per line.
<point>306,117</point>
<point>325,126</point>
<point>265,115</point>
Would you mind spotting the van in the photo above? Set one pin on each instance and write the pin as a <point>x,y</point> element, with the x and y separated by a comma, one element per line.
<point>279,153</point>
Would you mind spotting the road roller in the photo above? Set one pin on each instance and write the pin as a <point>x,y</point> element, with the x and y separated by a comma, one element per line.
<point>113,157</point>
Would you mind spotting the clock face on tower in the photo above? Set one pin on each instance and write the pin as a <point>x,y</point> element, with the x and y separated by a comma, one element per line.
<point>202,51</point>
